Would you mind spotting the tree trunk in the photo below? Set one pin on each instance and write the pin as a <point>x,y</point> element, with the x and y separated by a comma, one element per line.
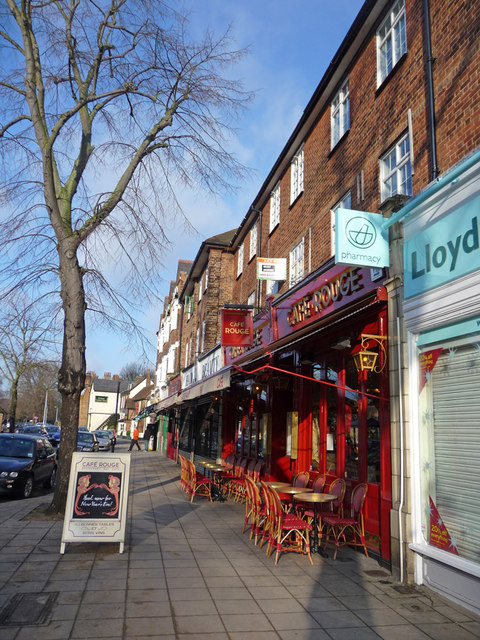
<point>71,377</point>
<point>13,405</point>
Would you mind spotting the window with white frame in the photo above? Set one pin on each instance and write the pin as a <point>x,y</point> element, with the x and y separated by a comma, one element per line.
<point>296,175</point>
<point>344,203</point>
<point>204,330</point>
<point>197,341</point>
<point>396,170</point>
<point>391,40</point>
<point>240,260</point>
<point>253,241</point>
<point>200,288</point>
<point>340,114</point>
<point>251,299</point>
<point>297,262</point>
<point>272,287</point>
<point>275,207</point>
<point>205,279</point>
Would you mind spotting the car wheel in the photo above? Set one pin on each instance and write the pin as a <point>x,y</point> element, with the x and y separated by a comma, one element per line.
<point>27,488</point>
<point>50,483</point>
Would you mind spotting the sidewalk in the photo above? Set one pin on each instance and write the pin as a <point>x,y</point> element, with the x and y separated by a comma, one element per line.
<point>188,573</point>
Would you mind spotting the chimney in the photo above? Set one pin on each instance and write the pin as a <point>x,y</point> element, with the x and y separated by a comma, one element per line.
<point>107,375</point>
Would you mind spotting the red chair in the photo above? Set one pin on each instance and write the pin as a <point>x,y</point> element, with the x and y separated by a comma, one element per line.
<point>255,511</point>
<point>288,532</point>
<point>198,483</point>
<point>317,486</point>
<point>299,480</point>
<point>347,531</point>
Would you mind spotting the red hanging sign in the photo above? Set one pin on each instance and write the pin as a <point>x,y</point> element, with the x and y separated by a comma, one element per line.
<point>237,328</point>
<point>439,536</point>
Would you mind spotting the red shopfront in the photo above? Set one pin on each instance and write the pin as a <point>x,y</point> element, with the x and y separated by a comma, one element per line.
<point>301,404</point>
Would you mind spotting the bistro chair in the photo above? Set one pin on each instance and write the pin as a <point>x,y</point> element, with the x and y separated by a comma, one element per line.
<point>299,480</point>
<point>257,472</point>
<point>255,511</point>
<point>317,485</point>
<point>289,532</point>
<point>199,484</point>
<point>334,509</point>
<point>349,530</point>
<point>236,484</point>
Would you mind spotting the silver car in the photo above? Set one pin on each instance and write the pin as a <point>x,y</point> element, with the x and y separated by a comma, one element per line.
<point>104,440</point>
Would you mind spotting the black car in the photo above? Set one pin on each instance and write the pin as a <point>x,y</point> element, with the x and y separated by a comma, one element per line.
<point>53,434</point>
<point>33,429</point>
<point>87,441</point>
<point>24,461</point>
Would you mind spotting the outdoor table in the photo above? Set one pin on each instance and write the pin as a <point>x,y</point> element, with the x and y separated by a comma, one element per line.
<point>214,468</point>
<point>293,491</point>
<point>274,484</point>
<point>316,498</point>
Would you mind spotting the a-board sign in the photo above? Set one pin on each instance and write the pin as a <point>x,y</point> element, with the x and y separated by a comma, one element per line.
<point>96,508</point>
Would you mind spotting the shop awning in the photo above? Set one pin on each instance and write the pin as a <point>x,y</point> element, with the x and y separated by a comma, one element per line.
<point>217,382</point>
<point>168,402</point>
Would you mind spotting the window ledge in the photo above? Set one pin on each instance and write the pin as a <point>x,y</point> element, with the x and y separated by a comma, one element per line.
<point>445,557</point>
<point>297,198</point>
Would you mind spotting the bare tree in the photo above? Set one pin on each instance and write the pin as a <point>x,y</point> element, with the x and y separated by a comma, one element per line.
<point>133,370</point>
<point>39,388</point>
<point>25,332</point>
<point>106,107</point>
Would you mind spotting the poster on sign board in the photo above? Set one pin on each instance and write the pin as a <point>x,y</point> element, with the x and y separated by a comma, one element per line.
<point>97,499</point>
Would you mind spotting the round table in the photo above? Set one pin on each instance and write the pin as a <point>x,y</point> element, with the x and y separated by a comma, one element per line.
<point>292,491</point>
<point>316,498</point>
<point>274,484</point>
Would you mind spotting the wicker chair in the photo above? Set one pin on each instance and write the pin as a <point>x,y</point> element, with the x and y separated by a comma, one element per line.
<point>348,530</point>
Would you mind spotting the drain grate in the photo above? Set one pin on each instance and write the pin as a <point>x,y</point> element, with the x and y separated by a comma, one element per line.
<point>27,608</point>
<point>405,590</point>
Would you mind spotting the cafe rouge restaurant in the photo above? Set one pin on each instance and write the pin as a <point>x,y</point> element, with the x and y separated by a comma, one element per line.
<point>312,392</point>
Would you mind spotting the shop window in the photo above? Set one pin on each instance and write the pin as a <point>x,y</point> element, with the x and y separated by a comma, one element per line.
<point>449,427</point>
<point>206,435</point>
<point>351,421</point>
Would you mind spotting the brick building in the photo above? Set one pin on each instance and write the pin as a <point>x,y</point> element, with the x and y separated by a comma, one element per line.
<point>395,111</point>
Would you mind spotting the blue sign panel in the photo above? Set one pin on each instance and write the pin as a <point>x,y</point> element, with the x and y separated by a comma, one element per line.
<point>360,239</point>
<point>443,251</point>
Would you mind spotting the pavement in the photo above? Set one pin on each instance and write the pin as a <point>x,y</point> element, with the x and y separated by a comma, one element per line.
<point>188,573</point>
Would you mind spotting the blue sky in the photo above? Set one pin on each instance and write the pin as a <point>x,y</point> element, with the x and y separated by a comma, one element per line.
<point>291,45</point>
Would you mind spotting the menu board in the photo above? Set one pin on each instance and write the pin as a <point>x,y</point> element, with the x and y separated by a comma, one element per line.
<point>97,499</point>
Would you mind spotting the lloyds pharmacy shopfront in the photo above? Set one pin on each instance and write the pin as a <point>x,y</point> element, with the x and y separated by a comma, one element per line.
<point>442,315</point>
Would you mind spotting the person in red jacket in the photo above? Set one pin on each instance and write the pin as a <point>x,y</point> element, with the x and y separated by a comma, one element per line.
<point>135,439</point>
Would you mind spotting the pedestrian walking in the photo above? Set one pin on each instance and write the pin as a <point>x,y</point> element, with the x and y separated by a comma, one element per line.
<point>114,439</point>
<point>135,439</point>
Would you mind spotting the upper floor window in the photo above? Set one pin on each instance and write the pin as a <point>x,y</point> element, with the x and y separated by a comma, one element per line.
<point>396,170</point>
<point>251,299</point>
<point>275,207</point>
<point>297,262</point>
<point>205,279</point>
<point>391,40</point>
<point>253,241</point>
<point>296,175</point>
<point>340,113</point>
<point>240,260</point>
<point>344,203</point>
<point>200,288</point>
<point>272,287</point>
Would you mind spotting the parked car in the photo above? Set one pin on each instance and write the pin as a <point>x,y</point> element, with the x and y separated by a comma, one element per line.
<point>87,441</point>
<point>33,429</point>
<point>104,439</point>
<point>82,429</point>
<point>53,434</point>
<point>26,459</point>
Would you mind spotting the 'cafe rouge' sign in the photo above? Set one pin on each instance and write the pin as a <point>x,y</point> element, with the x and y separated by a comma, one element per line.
<point>331,291</point>
<point>237,328</point>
